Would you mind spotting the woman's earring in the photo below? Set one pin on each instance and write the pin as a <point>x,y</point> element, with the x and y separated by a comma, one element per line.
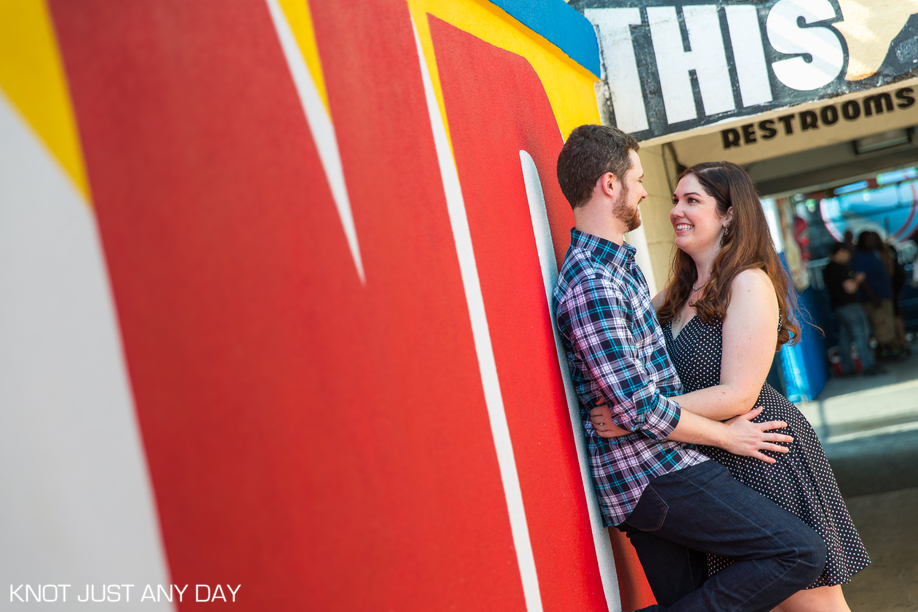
<point>725,230</point>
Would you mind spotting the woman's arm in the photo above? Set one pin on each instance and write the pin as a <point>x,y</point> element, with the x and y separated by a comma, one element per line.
<point>750,332</point>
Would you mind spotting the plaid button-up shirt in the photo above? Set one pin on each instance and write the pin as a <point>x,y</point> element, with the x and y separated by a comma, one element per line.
<point>615,350</point>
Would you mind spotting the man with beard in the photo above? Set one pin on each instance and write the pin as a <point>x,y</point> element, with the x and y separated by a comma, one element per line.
<point>674,504</point>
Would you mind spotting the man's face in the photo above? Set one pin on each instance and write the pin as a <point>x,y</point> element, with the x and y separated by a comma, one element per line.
<point>843,256</point>
<point>625,207</point>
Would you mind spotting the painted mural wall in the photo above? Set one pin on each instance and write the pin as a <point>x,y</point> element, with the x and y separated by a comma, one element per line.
<point>275,324</point>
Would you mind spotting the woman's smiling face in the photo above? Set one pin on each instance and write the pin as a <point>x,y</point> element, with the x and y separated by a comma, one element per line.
<point>695,218</point>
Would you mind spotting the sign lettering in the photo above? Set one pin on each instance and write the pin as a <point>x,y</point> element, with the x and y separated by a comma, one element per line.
<point>851,110</point>
<point>672,66</point>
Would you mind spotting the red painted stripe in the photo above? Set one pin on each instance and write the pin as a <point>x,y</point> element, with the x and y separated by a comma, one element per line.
<point>487,138</point>
<point>452,547</point>
<point>324,444</point>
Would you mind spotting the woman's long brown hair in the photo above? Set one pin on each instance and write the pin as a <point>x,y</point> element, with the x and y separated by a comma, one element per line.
<point>747,244</point>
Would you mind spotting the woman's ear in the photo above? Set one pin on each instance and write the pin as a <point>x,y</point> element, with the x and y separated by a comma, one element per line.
<point>728,218</point>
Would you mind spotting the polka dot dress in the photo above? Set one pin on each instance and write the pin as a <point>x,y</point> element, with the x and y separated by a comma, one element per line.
<point>801,481</point>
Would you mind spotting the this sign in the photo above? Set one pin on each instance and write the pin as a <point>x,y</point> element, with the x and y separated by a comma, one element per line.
<point>672,65</point>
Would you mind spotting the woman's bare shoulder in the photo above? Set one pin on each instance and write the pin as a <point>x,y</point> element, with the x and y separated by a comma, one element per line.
<point>752,280</point>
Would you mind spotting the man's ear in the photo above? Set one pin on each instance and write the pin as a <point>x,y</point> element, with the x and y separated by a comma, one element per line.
<point>608,184</point>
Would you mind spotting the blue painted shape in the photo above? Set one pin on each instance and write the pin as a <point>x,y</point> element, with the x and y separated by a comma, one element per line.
<point>812,347</point>
<point>805,365</point>
<point>561,25</point>
<point>794,375</point>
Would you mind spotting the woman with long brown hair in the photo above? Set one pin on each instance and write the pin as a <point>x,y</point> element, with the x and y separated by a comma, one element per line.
<point>725,311</point>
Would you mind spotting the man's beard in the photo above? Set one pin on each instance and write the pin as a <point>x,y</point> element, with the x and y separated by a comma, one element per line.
<point>630,218</point>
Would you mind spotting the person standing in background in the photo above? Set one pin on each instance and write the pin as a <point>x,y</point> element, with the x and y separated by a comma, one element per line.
<point>842,285</point>
<point>876,292</point>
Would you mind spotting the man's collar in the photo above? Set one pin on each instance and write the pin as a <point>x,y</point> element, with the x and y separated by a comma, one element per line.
<point>604,250</point>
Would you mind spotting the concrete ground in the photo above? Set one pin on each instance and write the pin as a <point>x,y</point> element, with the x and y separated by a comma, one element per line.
<point>869,428</point>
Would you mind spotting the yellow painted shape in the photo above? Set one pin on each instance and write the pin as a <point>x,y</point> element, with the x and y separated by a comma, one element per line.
<point>300,20</point>
<point>568,84</point>
<point>32,77</point>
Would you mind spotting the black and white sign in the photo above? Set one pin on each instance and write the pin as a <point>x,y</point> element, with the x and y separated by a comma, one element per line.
<point>675,65</point>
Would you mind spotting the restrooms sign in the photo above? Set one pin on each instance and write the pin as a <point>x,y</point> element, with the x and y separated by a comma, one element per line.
<point>672,66</point>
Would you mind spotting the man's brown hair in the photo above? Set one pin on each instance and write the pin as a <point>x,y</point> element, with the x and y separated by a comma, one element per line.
<point>590,152</point>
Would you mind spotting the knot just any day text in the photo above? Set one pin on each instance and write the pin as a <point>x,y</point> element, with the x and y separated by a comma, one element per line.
<point>50,593</point>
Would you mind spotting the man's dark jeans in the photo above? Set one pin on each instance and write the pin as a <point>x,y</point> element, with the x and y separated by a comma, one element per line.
<point>702,509</point>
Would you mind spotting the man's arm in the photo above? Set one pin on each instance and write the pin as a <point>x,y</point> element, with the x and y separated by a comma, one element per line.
<point>597,319</point>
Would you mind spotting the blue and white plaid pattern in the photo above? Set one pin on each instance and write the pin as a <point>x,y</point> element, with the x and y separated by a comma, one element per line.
<point>615,350</point>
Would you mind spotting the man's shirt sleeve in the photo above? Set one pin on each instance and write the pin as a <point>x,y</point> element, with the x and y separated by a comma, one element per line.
<point>608,340</point>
